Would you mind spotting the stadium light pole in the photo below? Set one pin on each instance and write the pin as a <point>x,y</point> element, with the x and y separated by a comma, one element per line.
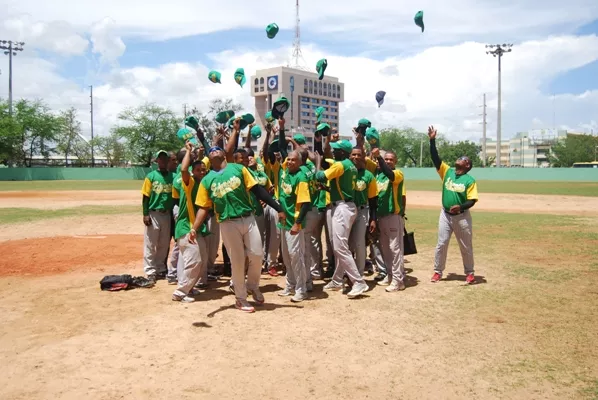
<point>498,50</point>
<point>10,48</point>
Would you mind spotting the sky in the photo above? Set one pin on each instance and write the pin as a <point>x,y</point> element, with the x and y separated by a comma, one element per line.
<point>134,52</point>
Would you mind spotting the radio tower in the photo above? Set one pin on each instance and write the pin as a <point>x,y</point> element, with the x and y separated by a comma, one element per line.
<point>298,60</point>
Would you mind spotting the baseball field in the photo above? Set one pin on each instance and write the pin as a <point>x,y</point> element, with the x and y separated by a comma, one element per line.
<point>527,330</point>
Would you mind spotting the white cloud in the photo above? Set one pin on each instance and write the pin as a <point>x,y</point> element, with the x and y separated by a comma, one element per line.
<point>106,42</point>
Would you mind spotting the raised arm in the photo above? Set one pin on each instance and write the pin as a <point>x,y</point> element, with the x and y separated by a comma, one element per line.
<point>433,151</point>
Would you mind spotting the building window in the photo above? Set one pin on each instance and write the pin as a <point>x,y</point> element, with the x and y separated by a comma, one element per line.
<point>310,87</point>
<point>305,113</point>
<point>315,101</point>
<point>329,87</point>
<point>333,103</point>
<point>325,91</point>
<point>305,106</point>
<point>338,91</point>
<point>261,88</point>
<point>256,89</point>
<point>256,81</point>
<point>325,102</point>
<point>305,86</point>
<point>305,99</point>
<point>335,125</point>
<point>261,81</point>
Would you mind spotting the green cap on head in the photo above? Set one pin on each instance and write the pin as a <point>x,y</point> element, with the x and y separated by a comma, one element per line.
<point>240,76</point>
<point>281,105</point>
<point>248,118</point>
<point>274,147</point>
<point>373,137</point>
<point>323,129</point>
<point>256,132</point>
<point>343,145</point>
<point>271,30</point>
<point>192,121</point>
<point>321,67</point>
<point>214,76</point>
<point>268,116</point>
<point>299,138</point>
<point>320,113</point>
<point>159,153</point>
<point>223,116</point>
<point>242,123</point>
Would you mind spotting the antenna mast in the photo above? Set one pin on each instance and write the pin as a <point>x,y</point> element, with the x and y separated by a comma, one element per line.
<point>297,55</point>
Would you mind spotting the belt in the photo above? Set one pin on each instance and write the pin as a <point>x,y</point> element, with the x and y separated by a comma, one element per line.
<point>160,211</point>
<point>449,213</point>
<point>241,216</point>
<point>336,203</point>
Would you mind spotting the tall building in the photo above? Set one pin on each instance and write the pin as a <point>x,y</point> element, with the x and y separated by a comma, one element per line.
<point>304,91</point>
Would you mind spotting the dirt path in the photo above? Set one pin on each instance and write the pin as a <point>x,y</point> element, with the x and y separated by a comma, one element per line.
<point>518,203</point>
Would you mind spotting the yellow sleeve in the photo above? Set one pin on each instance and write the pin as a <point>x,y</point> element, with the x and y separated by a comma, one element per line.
<point>248,179</point>
<point>472,192</point>
<point>404,189</point>
<point>302,193</point>
<point>206,162</point>
<point>284,164</point>
<point>335,171</point>
<point>175,192</point>
<point>146,189</point>
<point>372,189</point>
<point>370,165</point>
<point>442,171</point>
<point>398,176</point>
<point>203,197</point>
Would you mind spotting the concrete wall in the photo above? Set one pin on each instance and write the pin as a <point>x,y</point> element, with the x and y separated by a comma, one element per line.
<point>490,174</point>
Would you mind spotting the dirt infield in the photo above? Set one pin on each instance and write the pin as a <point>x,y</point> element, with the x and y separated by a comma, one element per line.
<point>517,203</point>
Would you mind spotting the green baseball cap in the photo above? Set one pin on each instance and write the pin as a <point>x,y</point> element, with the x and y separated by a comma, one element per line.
<point>323,129</point>
<point>271,30</point>
<point>242,123</point>
<point>362,125</point>
<point>159,153</point>
<point>192,121</point>
<point>320,113</point>
<point>321,67</point>
<point>372,136</point>
<point>256,132</point>
<point>249,118</point>
<point>187,134</point>
<point>343,145</point>
<point>268,116</point>
<point>281,105</point>
<point>223,116</point>
<point>274,147</point>
<point>299,138</point>
<point>240,76</point>
<point>419,19</point>
<point>214,76</point>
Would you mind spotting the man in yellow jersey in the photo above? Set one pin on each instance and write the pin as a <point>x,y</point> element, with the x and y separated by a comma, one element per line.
<point>194,257</point>
<point>459,194</point>
<point>366,201</point>
<point>341,177</point>
<point>390,219</point>
<point>157,205</point>
<point>226,190</point>
<point>296,202</point>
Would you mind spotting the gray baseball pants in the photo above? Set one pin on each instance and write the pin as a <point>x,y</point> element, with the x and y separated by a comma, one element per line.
<point>293,251</point>
<point>342,217</point>
<point>272,242</point>
<point>213,242</point>
<point>462,227</point>
<point>391,245</point>
<point>156,243</point>
<point>357,238</point>
<point>193,262</point>
<point>313,244</point>
<point>174,256</point>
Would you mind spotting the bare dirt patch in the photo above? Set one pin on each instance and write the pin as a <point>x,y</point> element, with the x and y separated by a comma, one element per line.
<point>48,256</point>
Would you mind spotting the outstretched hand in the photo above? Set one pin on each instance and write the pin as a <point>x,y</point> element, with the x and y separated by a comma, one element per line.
<point>432,132</point>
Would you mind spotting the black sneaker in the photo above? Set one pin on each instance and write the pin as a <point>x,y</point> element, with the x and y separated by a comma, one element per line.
<point>380,277</point>
<point>202,286</point>
<point>172,280</point>
<point>152,278</point>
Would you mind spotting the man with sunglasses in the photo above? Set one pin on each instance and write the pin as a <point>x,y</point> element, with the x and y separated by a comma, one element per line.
<point>459,194</point>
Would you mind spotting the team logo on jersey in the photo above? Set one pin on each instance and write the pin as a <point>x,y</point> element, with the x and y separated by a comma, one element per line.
<point>360,186</point>
<point>262,181</point>
<point>221,189</point>
<point>382,186</point>
<point>286,188</point>
<point>454,187</point>
<point>159,187</point>
<point>260,167</point>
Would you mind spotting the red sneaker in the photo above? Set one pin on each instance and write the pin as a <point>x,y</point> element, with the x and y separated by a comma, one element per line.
<point>436,277</point>
<point>272,271</point>
<point>470,280</point>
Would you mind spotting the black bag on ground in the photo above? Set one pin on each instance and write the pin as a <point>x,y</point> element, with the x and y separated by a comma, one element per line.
<point>409,243</point>
<point>116,282</point>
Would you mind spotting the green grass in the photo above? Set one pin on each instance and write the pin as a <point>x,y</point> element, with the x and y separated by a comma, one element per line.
<point>520,187</point>
<point>20,215</point>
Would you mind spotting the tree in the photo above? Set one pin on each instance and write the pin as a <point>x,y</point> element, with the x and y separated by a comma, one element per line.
<point>207,120</point>
<point>146,129</point>
<point>31,130</point>
<point>575,148</point>
<point>70,134</point>
<point>450,152</point>
<point>112,148</point>
<point>407,144</point>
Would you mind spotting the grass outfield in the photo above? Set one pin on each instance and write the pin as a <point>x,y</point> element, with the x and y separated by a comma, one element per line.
<point>520,187</point>
<point>20,215</point>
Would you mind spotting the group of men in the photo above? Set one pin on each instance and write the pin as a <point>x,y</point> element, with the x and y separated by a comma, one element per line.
<point>278,205</point>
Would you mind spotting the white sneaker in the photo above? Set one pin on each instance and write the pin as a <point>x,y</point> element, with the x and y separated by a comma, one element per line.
<point>333,286</point>
<point>185,299</point>
<point>298,298</point>
<point>286,292</point>
<point>386,281</point>
<point>395,286</point>
<point>358,290</point>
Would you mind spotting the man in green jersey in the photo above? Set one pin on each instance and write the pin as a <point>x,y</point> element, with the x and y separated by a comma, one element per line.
<point>366,196</point>
<point>176,190</point>
<point>157,205</point>
<point>296,202</point>
<point>390,219</point>
<point>226,190</point>
<point>342,175</point>
<point>193,263</point>
<point>459,194</point>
